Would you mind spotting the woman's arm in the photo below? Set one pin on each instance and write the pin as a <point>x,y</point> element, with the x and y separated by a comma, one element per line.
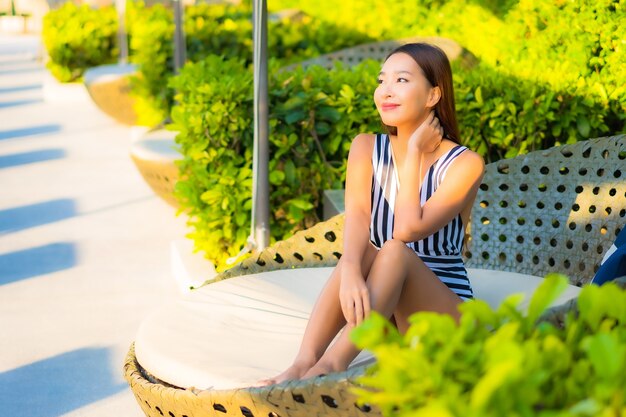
<point>353,292</point>
<point>357,200</point>
<point>458,189</point>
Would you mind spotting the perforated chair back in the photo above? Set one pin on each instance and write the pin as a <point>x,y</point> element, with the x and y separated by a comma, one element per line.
<point>379,50</point>
<point>557,210</point>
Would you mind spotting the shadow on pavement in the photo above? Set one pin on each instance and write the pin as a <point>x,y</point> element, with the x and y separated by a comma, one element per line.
<point>6,90</point>
<point>60,384</point>
<point>29,131</point>
<point>21,70</point>
<point>19,218</point>
<point>29,263</point>
<point>6,104</point>
<point>7,161</point>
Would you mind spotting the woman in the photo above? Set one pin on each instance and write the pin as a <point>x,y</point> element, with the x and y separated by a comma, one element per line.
<point>402,246</point>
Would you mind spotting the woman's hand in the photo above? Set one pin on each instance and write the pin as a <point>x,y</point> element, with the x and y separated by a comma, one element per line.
<point>428,136</point>
<point>353,296</point>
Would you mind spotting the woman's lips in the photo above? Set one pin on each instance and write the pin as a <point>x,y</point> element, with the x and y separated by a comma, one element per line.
<point>386,107</point>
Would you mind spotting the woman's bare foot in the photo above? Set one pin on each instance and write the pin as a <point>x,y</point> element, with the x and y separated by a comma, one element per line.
<point>322,368</point>
<point>295,371</point>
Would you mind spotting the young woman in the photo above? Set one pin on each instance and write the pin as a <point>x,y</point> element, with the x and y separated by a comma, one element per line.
<point>408,199</point>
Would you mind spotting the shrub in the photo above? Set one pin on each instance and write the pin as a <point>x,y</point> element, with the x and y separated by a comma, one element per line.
<point>151,47</point>
<point>574,48</point>
<point>224,30</point>
<point>502,363</point>
<point>78,37</point>
<point>314,114</point>
<point>501,116</point>
<point>502,110</point>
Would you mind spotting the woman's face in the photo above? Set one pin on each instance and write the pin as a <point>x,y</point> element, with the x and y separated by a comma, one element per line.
<point>403,92</point>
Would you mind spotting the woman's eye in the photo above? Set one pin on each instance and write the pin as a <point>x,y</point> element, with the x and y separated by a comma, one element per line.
<point>379,81</point>
<point>403,80</point>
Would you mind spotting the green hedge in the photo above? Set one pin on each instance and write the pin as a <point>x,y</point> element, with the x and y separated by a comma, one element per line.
<point>222,30</point>
<point>576,46</point>
<point>572,47</point>
<point>151,47</point>
<point>501,116</point>
<point>502,362</point>
<point>314,114</point>
<point>79,37</point>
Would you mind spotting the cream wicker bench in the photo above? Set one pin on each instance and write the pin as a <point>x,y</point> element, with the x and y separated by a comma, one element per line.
<point>553,210</point>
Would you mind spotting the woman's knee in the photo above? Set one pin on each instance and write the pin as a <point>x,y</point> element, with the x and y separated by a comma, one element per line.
<point>393,248</point>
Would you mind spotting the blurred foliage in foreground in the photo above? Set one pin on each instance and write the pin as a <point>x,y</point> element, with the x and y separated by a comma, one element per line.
<point>502,362</point>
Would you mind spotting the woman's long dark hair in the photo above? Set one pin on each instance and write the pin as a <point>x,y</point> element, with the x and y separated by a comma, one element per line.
<point>436,67</point>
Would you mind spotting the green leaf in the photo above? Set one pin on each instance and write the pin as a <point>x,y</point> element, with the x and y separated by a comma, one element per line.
<point>290,173</point>
<point>373,331</point>
<point>322,128</point>
<point>328,113</point>
<point>347,92</point>
<point>478,94</point>
<point>496,376</point>
<point>276,177</point>
<point>295,116</point>
<point>606,353</point>
<point>301,204</point>
<point>549,289</point>
<point>582,123</point>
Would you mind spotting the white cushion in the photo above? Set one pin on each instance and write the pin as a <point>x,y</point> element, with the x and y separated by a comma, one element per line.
<point>235,332</point>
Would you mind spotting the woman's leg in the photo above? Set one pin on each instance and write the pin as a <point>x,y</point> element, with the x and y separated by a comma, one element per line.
<point>399,284</point>
<point>325,322</point>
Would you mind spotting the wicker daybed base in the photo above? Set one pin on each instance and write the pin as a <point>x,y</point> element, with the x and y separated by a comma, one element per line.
<point>556,210</point>
<point>329,395</point>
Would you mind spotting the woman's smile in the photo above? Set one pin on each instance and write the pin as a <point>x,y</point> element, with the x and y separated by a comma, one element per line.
<point>389,106</point>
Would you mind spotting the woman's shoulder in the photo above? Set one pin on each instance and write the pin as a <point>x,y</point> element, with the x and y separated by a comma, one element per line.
<point>468,158</point>
<point>471,155</point>
<point>366,137</point>
<point>364,141</point>
<point>361,148</point>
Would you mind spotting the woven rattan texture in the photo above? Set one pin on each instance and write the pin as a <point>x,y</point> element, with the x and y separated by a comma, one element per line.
<point>161,176</point>
<point>320,245</point>
<point>321,396</point>
<point>379,50</point>
<point>557,210</point>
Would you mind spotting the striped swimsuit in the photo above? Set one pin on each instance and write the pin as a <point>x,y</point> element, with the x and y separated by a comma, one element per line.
<point>441,251</point>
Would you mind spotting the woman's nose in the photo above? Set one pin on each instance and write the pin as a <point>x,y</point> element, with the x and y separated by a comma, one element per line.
<point>387,90</point>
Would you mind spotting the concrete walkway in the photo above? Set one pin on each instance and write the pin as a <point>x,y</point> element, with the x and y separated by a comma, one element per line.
<point>84,249</point>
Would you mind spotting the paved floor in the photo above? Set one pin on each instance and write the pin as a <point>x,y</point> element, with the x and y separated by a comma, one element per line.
<point>84,249</point>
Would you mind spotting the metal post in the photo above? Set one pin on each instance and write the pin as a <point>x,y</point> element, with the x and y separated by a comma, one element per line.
<point>260,186</point>
<point>122,38</point>
<point>180,49</point>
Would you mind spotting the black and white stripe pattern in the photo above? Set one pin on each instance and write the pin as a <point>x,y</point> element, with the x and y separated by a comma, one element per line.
<point>441,251</point>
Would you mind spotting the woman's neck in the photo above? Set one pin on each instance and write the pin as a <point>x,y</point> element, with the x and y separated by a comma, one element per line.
<point>404,132</point>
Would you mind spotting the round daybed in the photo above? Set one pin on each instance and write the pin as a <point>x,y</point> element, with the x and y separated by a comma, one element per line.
<point>556,210</point>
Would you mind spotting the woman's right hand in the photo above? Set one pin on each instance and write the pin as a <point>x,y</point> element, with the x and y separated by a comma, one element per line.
<point>353,295</point>
<point>428,136</point>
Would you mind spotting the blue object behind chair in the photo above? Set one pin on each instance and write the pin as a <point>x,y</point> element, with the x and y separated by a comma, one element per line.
<point>614,263</point>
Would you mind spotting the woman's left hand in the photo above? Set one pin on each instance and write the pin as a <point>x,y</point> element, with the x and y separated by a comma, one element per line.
<point>428,136</point>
